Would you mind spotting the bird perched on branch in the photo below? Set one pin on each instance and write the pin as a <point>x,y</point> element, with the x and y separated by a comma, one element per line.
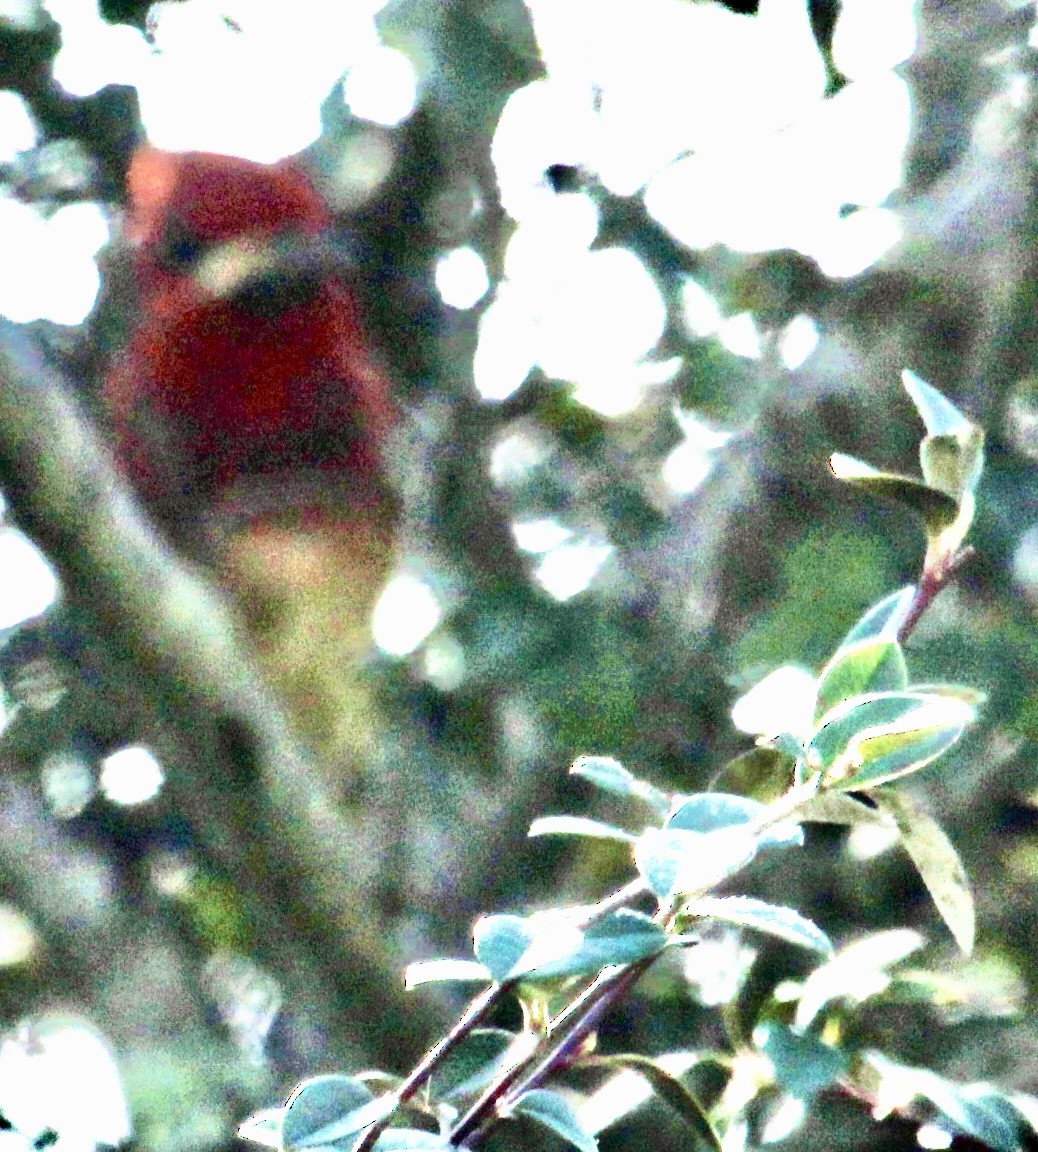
<point>250,416</point>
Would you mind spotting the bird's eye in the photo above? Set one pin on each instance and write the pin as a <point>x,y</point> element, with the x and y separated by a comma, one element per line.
<point>179,247</point>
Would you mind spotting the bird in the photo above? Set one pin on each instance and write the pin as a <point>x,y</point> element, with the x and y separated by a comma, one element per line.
<point>250,415</point>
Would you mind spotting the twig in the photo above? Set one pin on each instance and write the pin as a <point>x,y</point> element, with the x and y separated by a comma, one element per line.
<point>576,1021</point>
<point>478,1010</point>
<point>933,580</point>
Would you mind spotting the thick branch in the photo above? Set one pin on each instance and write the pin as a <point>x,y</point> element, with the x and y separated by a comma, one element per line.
<point>279,838</point>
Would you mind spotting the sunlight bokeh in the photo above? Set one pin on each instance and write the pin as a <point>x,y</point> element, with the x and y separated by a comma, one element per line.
<point>90,1108</point>
<point>717,121</point>
<point>131,776</point>
<point>692,461</point>
<point>407,612</point>
<point>28,584</point>
<point>461,278</point>
<point>17,127</point>
<point>782,702</point>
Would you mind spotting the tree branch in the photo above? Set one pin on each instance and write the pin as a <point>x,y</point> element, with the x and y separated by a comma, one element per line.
<point>279,837</point>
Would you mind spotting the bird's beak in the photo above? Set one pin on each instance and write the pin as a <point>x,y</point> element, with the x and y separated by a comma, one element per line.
<point>270,274</point>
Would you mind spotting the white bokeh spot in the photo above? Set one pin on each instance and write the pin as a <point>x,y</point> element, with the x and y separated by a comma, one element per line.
<point>235,76</point>
<point>699,309</point>
<point>797,342</point>
<point>381,86</point>
<point>504,354</point>
<point>569,569</point>
<point>546,122</point>
<point>586,317</point>
<point>756,189</point>
<point>858,241</point>
<point>873,36</point>
<point>61,1074</point>
<point>50,266</point>
<point>741,336</point>
<point>540,535</point>
<point>406,613</point>
<point>18,131</point>
<point>28,584</point>
<point>131,776</point>
<point>94,53</point>
<point>691,462</point>
<point>461,278</point>
<point>782,702</point>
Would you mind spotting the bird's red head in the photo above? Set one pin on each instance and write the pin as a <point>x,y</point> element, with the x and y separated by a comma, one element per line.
<point>249,363</point>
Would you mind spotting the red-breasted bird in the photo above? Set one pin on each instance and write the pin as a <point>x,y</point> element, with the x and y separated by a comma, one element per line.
<point>251,417</point>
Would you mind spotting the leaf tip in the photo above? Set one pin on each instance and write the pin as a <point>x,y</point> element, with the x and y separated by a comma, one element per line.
<point>845,467</point>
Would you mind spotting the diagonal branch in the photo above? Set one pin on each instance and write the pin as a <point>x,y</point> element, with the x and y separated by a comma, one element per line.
<point>256,803</point>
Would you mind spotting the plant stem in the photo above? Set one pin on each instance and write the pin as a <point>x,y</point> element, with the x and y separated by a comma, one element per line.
<point>614,987</point>
<point>581,1015</point>
<point>476,1012</point>
<point>934,578</point>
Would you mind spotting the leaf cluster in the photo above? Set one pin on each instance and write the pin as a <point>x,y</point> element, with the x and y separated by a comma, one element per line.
<point>867,727</point>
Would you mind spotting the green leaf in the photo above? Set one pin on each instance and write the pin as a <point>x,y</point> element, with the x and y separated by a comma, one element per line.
<point>378,1081</point>
<point>938,413</point>
<point>326,1107</point>
<point>787,743</point>
<point>550,945</point>
<point>660,856</point>
<point>883,620</point>
<point>471,1065</point>
<point>553,1111</point>
<point>762,774</point>
<point>500,942</point>
<point>868,666</point>
<point>332,1135</point>
<point>555,948</point>
<point>578,826</point>
<point>936,508</point>
<point>838,808</point>
<point>980,1111</point>
<point>707,838</point>
<point>952,452</point>
<point>976,1110</point>
<point>835,731</point>
<point>803,1064</point>
<point>625,936</point>
<point>605,773</point>
<point>617,1096</point>
<point>886,755</point>
<point>953,464</point>
<point>263,1128</point>
<point>622,937</point>
<point>441,971</point>
<point>936,861</point>
<point>856,972</point>
<point>611,776</point>
<point>671,1091</point>
<point>871,739</point>
<point>772,919</point>
<point>971,696</point>
<point>708,812</point>
<point>673,862</point>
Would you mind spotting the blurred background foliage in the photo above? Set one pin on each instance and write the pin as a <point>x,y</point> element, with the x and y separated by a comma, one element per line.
<point>703,275</point>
